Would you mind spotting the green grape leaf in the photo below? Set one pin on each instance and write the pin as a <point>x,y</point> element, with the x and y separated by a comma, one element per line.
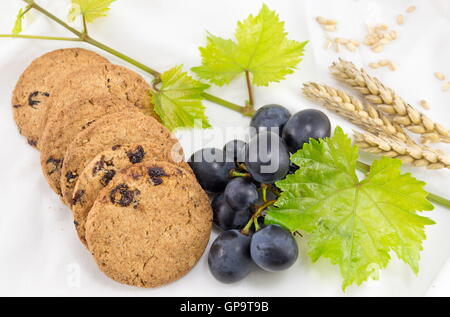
<point>90,9</point>
<point>261,48</point>
<point>178,101</point>
<point>18,24</point>
<point>354,223</point>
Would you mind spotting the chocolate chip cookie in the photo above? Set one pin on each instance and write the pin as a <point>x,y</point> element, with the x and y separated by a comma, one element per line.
<point>150,225</point>
<point>62,128</point>
<point>37,84</point>
<point>103,168</point>
<point>112,130</point>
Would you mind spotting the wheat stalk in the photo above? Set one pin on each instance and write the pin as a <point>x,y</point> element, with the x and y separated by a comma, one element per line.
<point>411,154</point>
<point>351,108</point>
<point>387,101</point>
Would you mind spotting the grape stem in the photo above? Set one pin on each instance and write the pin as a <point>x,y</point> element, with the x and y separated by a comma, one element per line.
<point>264,188</point>
<point>234,173</point>
<point>255,216</point>
<point>364,168</point>
<point>83,36</point>
<point>251,98</point>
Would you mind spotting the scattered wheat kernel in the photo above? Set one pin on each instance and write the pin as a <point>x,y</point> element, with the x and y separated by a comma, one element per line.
<point>356,43</point>
<point>378,48</point>
<point>439,76</point>
<point>384,41</point>
<point>374,65</point>
<point>411,9</point>
<point>392,66</point>
<point>351,47</point>
<point>425,104</point>
<point>384,62</point>
<point>329,28</point>
<point>328,44</point>
<point>321,20</point>
<point>330,22</point>
<point>446,86</point>
<point>393,35</point>
<point>400,19</point>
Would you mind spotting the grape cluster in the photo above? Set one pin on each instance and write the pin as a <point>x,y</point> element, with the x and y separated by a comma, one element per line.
<point>242,176</point>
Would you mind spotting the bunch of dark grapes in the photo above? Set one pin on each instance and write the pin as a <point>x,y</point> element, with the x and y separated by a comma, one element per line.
<point>242,175</point>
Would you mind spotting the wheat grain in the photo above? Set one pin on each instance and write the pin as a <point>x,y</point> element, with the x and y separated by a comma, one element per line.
<point>425,104</point>
<point>400,19</point>
<point>351,108</point>
<point>387,101</point>
<point>329,28</point>
<point>439,76</point>
<point>446,86</point>
<point>412,154</point>
<point>411,9</point>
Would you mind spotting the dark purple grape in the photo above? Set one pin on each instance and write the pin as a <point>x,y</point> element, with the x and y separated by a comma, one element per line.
<point>304,125</point>
<point>270,117</point>
<point>211,168</point>
<point>267,158</point>
<point>240,193</point>
<point>229,258</point>
<point>235,150</point>
<point>225,217</point>
<point>273,248</point>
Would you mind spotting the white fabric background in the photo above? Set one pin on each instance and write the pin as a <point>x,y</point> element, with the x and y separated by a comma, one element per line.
<point>39,251</point>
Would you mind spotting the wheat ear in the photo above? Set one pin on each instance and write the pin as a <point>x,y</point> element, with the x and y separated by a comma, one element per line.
<point>387,101</point>
<point>411,154</point>
<point>351,108</point>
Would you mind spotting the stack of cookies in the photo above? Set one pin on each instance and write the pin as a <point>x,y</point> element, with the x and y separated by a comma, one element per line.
<point>136,204</point>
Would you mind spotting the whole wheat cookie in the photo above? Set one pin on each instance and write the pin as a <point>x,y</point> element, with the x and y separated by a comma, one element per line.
<point>37,84</point>
<point>103,168</point>
<point>150,225</point>
<point>101,80</point>
<point>62,128</point>
<point>112,130</point>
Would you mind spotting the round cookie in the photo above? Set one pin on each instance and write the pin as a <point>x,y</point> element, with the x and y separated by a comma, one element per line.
<point>103,168</point>
<point>101,80</point>
<point>150,225</point>
<point>62,128</point>
<point>38,82</point>
<point>112,130</point>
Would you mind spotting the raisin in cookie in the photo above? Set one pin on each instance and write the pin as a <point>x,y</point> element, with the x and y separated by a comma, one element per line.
<point>150,225</point>
<point>37,84</point>
<point>112,130</point>
<point>103,168</point>
<point>101,80</point>
<point>62,128</point>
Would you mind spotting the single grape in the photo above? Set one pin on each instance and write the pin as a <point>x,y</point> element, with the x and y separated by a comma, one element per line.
<point>273,248</point>
<point>304,125</point>
<point>211,168</point>
<point>235,150</point>
<point>267,158</point>
<point>229,258</point>
<point>225,217</point>
<point>270,117</point>
<point>240,193</point>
